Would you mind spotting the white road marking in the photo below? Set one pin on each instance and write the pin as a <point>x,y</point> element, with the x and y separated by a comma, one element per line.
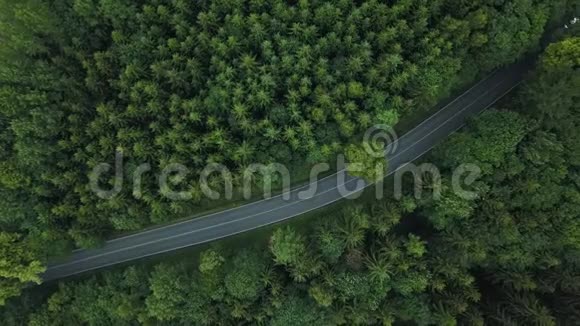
<point>303,186</point>
<point>279,207</point>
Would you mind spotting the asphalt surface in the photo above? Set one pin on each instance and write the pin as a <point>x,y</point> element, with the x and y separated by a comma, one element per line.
<point>331,189</point>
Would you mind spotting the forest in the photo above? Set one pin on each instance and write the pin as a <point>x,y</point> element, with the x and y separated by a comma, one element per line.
<point>237,82</point>
<point>509,257</point>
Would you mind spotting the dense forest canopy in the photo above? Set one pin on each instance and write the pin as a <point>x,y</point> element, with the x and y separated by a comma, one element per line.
<point>230,82</point>
<point>509,257</point>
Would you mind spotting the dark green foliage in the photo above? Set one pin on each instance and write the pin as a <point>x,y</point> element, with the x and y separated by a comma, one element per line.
<point>175,81</point>
<point>297,311</point>
<point>244,280</point>
<point>491,137</point>
<point>509,256</point>
<point>215,82</point>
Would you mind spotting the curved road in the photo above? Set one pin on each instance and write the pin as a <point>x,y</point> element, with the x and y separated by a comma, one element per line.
<point>412,145</point>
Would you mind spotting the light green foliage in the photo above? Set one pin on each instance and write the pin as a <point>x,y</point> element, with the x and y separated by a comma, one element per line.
<point>365,163</point>
<point>321,295</point>
<point>415,246</point>
<point>210,260</point>
<point>561,57</point>
<point>287,246</point>
<point>18,265</point>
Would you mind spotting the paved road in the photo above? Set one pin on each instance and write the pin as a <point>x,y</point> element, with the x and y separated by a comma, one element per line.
<point>412,145</point>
